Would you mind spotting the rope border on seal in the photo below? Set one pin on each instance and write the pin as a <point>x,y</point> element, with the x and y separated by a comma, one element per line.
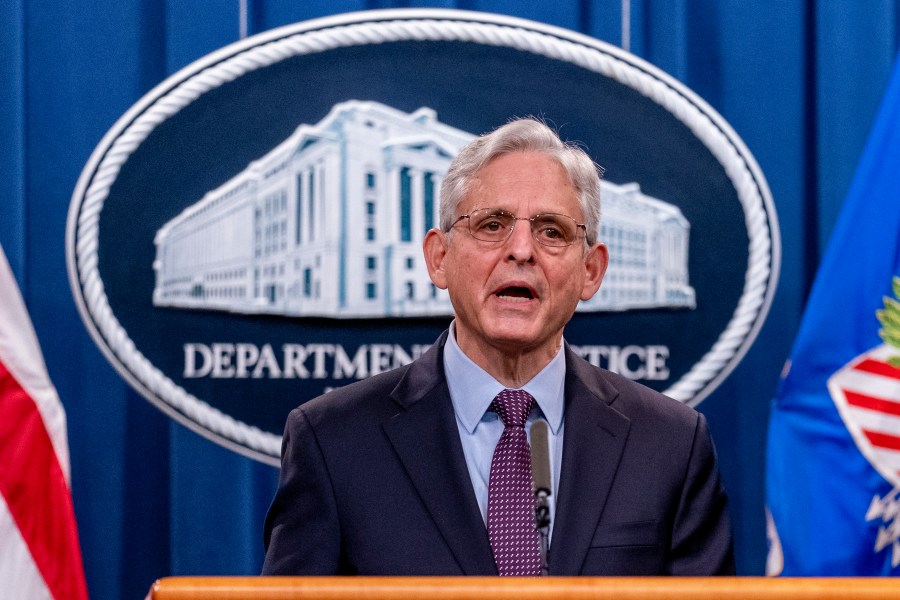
<point>266,446</point>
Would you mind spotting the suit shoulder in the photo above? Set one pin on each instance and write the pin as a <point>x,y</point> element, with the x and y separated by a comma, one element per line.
<point>360,398</point>
<point>634,399</point>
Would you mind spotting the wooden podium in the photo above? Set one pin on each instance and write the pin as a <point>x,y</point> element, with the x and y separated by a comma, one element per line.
<point>513,588</point>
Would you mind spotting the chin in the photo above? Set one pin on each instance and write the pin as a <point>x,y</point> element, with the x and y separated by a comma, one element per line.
<point>516,339</point>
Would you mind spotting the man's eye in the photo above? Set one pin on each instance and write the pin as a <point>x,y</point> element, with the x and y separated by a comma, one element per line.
<point>549,231</point>
<point>492,224</point>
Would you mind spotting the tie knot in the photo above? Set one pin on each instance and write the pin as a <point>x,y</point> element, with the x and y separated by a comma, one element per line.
<point>513,406</point>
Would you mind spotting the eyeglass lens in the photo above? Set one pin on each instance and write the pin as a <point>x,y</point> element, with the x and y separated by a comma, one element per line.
<point>492,225</point>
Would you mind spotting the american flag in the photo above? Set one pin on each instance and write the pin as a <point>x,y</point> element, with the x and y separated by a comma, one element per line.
<point>39,552</point>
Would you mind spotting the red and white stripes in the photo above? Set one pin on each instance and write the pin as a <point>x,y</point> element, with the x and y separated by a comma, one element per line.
<point>39,552</point>
<point>867,395</point>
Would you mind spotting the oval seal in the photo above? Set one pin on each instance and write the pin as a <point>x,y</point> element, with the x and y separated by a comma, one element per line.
<point>248,235</point>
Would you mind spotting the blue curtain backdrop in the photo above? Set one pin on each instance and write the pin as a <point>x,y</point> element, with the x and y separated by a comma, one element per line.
<point>798,80</point>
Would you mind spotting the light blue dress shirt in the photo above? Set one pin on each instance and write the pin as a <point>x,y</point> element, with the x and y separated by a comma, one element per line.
<point>472,390</point>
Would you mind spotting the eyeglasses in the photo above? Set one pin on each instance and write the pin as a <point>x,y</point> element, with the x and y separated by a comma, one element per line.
<point>495,225</point>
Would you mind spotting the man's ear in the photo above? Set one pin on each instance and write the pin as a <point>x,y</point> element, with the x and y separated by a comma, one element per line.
<point>435,249</point>
<point>595,263</point>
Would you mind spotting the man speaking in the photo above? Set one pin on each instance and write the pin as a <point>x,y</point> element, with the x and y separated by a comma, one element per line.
<point>427,469</point>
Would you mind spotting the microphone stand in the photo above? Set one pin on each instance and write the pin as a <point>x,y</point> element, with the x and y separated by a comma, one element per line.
<point>542,520</point>
<point>542,478</point>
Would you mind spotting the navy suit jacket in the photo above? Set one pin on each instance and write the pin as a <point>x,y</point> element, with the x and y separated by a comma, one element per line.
<point>374,482</point>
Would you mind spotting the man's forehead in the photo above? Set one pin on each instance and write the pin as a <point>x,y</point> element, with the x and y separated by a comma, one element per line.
<point>550,197</point>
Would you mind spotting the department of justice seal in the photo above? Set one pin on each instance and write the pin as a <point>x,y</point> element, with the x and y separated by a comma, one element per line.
<point>248,235</point>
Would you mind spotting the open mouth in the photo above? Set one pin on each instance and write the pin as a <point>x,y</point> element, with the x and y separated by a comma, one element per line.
<point>515,293</point>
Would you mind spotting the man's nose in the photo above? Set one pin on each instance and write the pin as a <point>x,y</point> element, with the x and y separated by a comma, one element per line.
<point>521,242</point>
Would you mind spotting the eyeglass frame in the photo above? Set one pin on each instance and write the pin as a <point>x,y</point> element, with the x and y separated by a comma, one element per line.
<point>516,218</point>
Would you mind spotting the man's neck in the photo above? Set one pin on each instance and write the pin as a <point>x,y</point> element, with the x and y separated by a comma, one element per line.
<point>510,365</point>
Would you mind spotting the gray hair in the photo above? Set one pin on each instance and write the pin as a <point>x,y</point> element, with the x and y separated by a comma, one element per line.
<point>524,135</point>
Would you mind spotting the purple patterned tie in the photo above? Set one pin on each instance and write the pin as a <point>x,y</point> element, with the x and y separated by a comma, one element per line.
<point>511,521</point>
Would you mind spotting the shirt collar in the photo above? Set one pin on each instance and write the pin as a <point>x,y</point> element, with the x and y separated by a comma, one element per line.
<point>472,389</point>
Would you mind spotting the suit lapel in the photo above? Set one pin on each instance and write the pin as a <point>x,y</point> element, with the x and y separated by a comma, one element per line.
<point>594,438</point>
<point>426,440</point>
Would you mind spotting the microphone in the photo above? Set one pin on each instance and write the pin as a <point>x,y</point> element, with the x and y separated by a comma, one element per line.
<point>540,473</point>
<point>540,460</point>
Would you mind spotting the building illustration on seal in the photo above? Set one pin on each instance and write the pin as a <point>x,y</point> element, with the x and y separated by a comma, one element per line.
<point>330,223</point>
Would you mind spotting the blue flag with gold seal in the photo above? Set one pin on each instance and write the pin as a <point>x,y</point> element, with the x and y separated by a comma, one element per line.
<point>833,458</point>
